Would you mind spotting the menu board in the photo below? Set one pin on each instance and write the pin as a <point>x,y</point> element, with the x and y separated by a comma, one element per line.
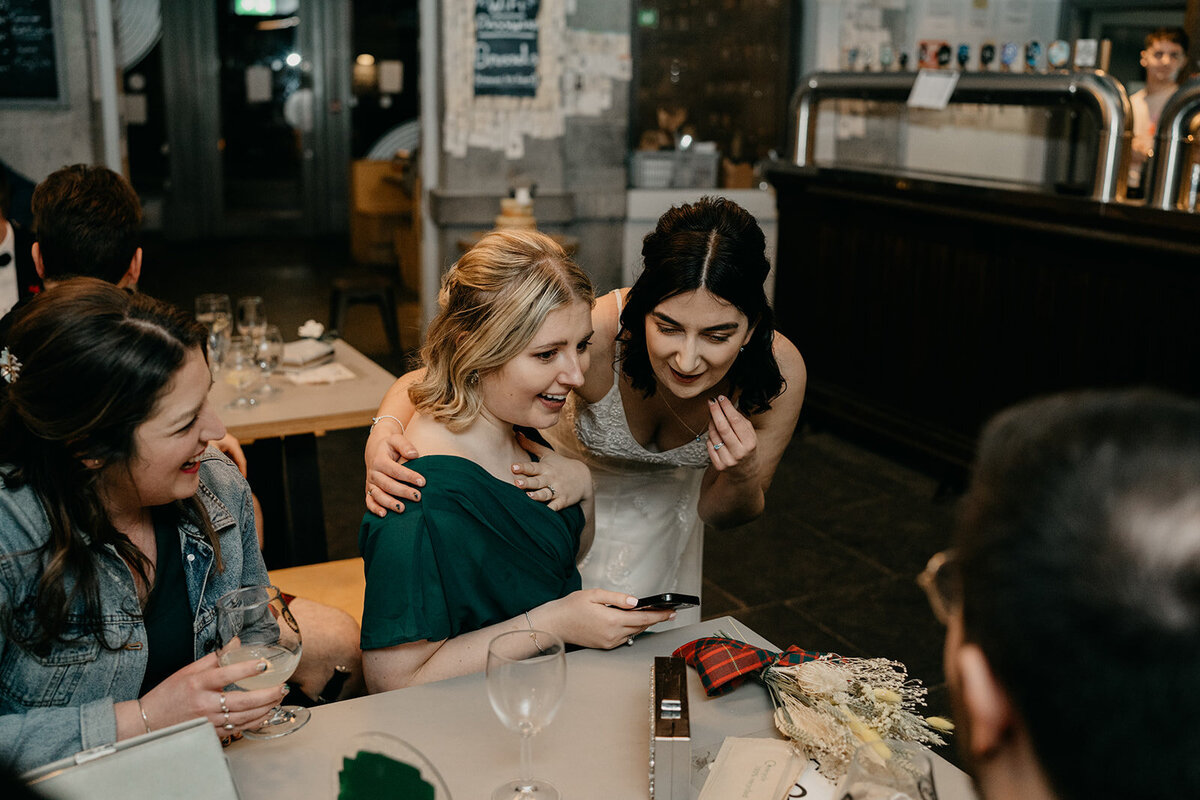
<point>506,47</point>
<point>29,59</point>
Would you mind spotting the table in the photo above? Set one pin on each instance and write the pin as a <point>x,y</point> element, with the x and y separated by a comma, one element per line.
<point>283,457</point>
<point>596,747</point>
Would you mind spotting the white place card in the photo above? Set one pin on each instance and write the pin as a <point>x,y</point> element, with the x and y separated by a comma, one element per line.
<point>932,88</point>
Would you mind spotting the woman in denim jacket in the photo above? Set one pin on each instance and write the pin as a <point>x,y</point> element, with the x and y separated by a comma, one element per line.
<point>119,529</point>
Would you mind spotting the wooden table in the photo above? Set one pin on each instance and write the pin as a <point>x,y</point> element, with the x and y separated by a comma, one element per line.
<point>596,747</point>
<point>280,432</point>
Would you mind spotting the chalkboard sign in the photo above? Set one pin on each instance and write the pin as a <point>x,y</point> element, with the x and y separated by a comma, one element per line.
<point>30,61</point>
<point>506,47</point>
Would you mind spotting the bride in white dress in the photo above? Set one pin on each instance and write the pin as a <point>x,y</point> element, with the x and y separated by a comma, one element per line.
<point>690,398</point>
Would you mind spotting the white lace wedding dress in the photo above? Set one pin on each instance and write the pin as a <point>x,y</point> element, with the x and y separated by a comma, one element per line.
<point>649,536</point>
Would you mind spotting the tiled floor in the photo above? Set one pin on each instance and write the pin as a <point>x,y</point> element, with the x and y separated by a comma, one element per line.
<point>830,566</point>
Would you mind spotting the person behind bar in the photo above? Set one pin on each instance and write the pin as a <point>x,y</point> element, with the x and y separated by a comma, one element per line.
<point>1072,600</point>
<point>119,528</point>
<point>690,398</point>
<point>478,556</point>
<point>1163,57</point>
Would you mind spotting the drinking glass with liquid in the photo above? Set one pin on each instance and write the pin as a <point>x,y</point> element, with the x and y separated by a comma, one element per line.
<point>253,624</point>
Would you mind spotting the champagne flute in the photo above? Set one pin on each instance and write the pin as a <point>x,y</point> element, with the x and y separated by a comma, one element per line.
<point>213,312</point>
<point>251,317</point>
<point>526,677</point>
<point>241,370</point>
<point>268,351</point>
<point>254,623</point>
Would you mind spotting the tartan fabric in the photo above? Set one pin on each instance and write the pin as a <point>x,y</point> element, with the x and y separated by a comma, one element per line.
<point>724,664</point>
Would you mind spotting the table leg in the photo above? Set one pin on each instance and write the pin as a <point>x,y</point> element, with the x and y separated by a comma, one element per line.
<point>285,476</point>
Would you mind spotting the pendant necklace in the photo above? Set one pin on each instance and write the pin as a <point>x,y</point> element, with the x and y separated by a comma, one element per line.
<point>689,428</point>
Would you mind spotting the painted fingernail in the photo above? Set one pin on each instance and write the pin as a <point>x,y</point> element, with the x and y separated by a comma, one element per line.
<point>721,397</point>
<point>631,601</point>
<point>398,507</point>
<point>712,402</point>
<point>516,467</point>
<point>263,666</point>
<point>416,495</point>
<point>420,481</point>
<point>283,690</point>
<point>673,615</point>
<point>519,482</point>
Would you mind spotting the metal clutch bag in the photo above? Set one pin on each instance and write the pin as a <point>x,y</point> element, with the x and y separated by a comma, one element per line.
<point>670,730</point>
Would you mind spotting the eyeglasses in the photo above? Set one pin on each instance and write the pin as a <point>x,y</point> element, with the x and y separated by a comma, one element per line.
<point>940,582</point>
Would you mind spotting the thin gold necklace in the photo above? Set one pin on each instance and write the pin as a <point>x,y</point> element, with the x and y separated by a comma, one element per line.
<point>690,429</point>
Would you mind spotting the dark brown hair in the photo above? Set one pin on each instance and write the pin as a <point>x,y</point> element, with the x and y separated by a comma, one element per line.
<point>87,220</point>
<point>95,360</point>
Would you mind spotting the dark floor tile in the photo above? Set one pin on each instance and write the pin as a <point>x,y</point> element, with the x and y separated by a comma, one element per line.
<point>783,625</point>
<point>771,559</point>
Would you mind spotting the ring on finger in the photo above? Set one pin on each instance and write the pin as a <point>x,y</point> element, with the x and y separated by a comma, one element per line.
<point>718,445</point>
<point>224,708</point>
<point>553,493</point>
<point>629,641</point>
<point>228,726</point>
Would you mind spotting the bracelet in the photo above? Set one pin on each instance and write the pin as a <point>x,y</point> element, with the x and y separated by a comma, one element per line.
<point>145,721</point>
<point>386,416</point>
<point>533,635</point>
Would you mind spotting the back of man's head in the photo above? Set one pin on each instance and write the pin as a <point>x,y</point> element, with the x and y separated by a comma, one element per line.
<point>1079,553</point>
<point>87,220</point>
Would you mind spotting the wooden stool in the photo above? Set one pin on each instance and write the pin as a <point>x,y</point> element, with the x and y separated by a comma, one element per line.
<point>376,289</point>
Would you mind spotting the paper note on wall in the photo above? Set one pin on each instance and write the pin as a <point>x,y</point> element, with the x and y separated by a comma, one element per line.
<point>258,83</point>
<point>391,76</point>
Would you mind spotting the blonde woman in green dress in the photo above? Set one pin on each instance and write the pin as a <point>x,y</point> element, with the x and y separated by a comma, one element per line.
<point>478,556</point>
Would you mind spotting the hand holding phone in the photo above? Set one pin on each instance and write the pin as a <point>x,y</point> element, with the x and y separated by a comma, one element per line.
<point>667,600</point>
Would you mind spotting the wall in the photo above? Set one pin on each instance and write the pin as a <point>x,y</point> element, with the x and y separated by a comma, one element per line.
<point>35,142</point>
<point>579,169</point>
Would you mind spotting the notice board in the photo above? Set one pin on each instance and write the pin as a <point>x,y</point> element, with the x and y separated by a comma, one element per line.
<point>30,58</point>
<point>506,47</point>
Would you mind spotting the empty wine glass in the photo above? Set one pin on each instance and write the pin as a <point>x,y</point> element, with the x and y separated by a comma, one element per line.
<point>251,317</point>
<point>213,312</point>
<point>268,350</point>
<point>526,677</point>
<point>241,370</point>
<point>254,623</point>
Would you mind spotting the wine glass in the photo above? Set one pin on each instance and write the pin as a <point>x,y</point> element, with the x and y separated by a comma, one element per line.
<point>268,350</point>
<point>889,768</point>
<point>251,317</point>
<point>526,676</point>
<point>254,623</point>
<point>241,370</point>
<point>212,311</point>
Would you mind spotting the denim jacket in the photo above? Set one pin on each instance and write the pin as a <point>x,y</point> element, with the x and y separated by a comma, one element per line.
<point>54,704</point>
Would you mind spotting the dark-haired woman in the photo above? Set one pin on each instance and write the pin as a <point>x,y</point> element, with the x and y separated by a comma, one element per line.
<point>119,528</point>
<point>689,401</point>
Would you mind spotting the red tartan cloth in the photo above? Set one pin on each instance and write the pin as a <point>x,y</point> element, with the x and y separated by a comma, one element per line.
<point>724,664</point>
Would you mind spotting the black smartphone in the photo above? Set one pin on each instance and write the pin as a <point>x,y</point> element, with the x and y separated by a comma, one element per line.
<point>661,602</point>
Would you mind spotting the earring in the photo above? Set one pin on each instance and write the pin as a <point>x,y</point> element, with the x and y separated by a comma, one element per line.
<point>473,379</point>
<point>742,348</point>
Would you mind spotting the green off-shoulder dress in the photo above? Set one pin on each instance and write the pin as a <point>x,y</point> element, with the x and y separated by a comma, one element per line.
<point>474,551</point>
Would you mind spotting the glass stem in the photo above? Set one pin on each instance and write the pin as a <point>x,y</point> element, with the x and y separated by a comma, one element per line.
<point>527,758</point>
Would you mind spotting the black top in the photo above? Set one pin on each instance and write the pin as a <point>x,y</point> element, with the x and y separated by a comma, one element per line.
<point>168,613</point>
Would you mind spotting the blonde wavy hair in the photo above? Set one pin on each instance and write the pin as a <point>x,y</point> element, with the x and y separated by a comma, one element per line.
<point>492,303</point>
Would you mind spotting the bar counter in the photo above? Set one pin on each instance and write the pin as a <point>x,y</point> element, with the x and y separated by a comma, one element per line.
<point>923,306</point>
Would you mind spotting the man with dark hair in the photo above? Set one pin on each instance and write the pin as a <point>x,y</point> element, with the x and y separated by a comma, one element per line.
<point>1164,57</point>
<point>88,220</point>
<point>1072,600</point>
<point>18,278</point>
